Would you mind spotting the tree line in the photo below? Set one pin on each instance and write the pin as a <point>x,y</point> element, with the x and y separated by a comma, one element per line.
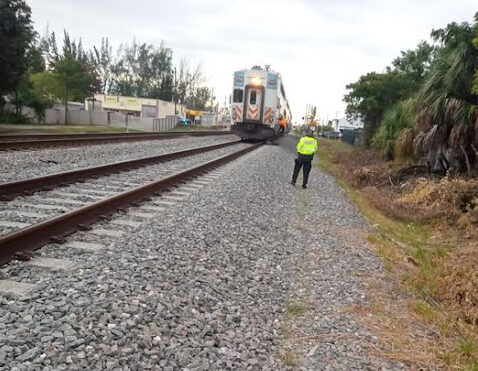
<point>36,71</point>
<point>424,106</point>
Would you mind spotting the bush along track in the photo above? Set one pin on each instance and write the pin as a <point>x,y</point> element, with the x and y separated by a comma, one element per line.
<point>425,230</point>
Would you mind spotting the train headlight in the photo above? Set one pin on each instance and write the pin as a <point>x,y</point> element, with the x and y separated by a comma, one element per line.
<point>256,81</point>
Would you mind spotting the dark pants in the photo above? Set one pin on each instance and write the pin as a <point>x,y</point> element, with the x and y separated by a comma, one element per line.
<point>281,130</point>
<point>306,162</point>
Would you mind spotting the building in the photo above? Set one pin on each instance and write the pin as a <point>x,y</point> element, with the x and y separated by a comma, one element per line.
<point>345,123</point>
<point>201,117</point>
<point>139,107</point>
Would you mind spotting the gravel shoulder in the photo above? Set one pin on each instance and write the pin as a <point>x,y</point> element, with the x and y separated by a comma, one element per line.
<point>208,284</point>
<point>329,294</point>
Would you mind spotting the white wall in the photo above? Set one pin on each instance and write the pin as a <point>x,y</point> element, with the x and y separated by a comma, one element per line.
<point>208,119</point>
<point>100,118</point>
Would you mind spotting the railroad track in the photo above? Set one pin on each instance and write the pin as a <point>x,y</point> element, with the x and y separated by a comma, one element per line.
<point>16,142</point>
<point>33,217</point>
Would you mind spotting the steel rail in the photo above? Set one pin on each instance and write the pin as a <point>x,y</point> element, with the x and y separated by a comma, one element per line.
<point>11,142</point>
<point>17,187</point>
<point>37,235</point>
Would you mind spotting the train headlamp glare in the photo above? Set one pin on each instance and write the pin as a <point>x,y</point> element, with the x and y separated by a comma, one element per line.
<point>256,81</point>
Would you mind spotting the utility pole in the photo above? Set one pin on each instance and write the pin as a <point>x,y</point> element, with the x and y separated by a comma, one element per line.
<point>174,94</point>
<point>66,105</point>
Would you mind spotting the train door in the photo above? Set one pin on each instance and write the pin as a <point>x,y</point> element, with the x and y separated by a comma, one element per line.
<point>253,103</point>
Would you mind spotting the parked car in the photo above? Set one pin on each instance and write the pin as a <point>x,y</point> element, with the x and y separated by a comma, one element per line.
<point>332,135</point>
<point>182,121</point>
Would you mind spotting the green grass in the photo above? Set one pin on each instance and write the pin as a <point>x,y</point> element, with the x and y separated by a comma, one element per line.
<point>327,148</point>
<point>467,348</point>
<point>295,309</point>
<point>58,129</point>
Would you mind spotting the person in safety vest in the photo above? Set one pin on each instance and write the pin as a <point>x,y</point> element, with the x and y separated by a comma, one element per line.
<point>282,125</point>
<point>306,148</point>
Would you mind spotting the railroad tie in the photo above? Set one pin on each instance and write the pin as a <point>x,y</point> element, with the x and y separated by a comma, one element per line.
<point>52,263</point>
<point>88,246</point>
<point>106,232</point>
<point>18,289</point>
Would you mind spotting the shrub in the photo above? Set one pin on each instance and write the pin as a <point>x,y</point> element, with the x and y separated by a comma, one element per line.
<point>11,118</point>
<point>395,120</point>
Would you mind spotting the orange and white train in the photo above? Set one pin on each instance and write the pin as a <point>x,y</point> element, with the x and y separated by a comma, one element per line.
<point>258,102</point>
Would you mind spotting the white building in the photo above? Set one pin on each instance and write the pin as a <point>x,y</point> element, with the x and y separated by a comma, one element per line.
<point>344,123</point>
<point>140,107</point>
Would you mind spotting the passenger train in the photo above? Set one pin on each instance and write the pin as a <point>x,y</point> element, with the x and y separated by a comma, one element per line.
<point>258,102</point>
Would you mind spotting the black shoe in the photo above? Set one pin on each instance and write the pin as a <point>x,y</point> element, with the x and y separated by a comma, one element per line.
<point>304,186</point>
<point>292,183</point>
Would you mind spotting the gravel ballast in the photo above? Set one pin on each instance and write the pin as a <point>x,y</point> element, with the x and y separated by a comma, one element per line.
<point>75,195</point>
<point>206,284</point>
<point>22,164</point>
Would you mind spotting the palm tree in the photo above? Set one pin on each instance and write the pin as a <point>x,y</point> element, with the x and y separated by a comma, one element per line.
<point>446,123</point>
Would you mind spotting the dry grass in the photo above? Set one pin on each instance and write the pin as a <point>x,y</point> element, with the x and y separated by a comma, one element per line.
<point>288,358</point>
<point>447,198</point>
<point>426,232</point>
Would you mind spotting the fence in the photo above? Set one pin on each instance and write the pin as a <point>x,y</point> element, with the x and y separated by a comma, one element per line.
<point>164,124</point>
<point>86,118</point>
<point>353,137</point>
<point>56,116</point>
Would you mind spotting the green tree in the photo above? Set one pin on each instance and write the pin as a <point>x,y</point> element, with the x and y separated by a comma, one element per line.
<point>24,94</point>
<point>49,49</point>
<point>415,64</point>
<point>445,123</point>
<point>27,96</point>
<point>68,81</point>
<point>16,34</point>
<point>374,93</point>
<point>72,81</point>
<point>141,70</point>
<point>190,89</point>
<point>102,59</point>
<point>202,99</point>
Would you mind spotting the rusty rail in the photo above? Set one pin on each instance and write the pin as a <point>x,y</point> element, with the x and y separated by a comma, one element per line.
<point>37,235</point>
<point>17,187</point>
<point>12,142</point>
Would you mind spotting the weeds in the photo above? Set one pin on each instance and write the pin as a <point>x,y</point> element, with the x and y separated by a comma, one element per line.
<point>295,309</point>
<point>288,358</point>
<point>425,230</point>
<point>426,311</point>
<point>467,348</point>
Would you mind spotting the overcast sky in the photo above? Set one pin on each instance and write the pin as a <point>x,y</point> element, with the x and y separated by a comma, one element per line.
<point>318,46</point>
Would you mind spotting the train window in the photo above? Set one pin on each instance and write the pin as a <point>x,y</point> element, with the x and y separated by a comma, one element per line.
<point>238,94</point>
<point>253,98</point>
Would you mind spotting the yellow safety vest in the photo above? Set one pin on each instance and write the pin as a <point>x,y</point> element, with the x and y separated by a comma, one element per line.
<point>307,146</point>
